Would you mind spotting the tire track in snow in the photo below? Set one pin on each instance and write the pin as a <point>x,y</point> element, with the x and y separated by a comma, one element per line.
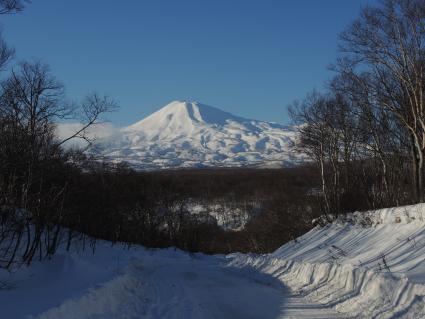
<point>201,288</point>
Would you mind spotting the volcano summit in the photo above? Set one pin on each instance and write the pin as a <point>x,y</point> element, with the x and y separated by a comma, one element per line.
<point>191,134</point>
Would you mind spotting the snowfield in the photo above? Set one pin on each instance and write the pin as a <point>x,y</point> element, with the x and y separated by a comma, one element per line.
<point>369,265</point>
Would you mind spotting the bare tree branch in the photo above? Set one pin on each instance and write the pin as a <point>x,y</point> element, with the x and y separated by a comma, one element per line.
<point>12,6</point>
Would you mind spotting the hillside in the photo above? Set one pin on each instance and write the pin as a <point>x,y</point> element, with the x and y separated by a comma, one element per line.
<point>191,134</point>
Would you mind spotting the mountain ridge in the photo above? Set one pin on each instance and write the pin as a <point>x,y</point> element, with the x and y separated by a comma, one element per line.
<point>192,134</point>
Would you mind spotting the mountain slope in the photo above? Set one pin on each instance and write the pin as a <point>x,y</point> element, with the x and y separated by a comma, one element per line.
<point>191,134</point>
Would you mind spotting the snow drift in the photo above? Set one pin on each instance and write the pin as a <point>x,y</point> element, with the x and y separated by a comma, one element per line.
<point>366,265</point>
<point>192,134</point>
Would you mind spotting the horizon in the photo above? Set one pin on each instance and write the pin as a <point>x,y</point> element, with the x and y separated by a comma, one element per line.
<point>248,59</point>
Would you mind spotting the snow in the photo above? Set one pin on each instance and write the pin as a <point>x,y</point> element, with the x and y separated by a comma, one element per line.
<point>368,264</point>
<point>364,265</point>
<point>48,283</point>
<point>227,217</point>
<point>141,283</point>
<point>192,134</point>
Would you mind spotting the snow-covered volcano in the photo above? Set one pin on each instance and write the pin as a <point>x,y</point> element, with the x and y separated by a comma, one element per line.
<point>191,134</point>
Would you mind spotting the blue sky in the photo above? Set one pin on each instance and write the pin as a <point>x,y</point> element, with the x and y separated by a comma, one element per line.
<point>250,58</point>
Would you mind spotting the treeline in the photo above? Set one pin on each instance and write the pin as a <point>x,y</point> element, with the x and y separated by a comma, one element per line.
<point>366,134</point>
<point>156,209</point>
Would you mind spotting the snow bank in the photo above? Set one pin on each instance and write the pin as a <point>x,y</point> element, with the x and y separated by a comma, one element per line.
<point>116,298</point>
<point>72,276</point>
<point>370,265</point>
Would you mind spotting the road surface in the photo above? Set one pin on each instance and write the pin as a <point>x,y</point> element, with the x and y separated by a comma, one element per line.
<point>189,287</point>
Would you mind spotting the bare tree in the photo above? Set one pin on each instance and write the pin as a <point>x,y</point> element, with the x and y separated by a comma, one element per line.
<point>90,112</point>
<point>382,141</point>
<point>320,138</point>
<point>33,165</point>
<point>388,43</point>
<point>36,100</point>
<point>6,53</point>
<point>12,6</point>
<point>31,196</point>
<point>8,7</point>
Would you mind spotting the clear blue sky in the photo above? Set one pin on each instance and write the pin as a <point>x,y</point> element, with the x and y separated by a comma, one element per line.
<point>251,58</point>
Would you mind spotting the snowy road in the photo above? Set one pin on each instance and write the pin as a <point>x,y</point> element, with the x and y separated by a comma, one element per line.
<point>169,286</point>
<point>198,288</point>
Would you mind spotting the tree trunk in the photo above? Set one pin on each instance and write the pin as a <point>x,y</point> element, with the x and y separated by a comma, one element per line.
<point>417,172</point>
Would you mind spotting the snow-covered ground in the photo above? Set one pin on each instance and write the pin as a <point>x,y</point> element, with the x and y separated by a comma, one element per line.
<point>369,265</point>
<point>140,283</point>
<point>227,216</point>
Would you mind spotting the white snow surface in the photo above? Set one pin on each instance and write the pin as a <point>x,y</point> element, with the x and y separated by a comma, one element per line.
<point>192,134</point>
<point>365,265</point>
<point>228,217</point>
<point>141,283</point>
